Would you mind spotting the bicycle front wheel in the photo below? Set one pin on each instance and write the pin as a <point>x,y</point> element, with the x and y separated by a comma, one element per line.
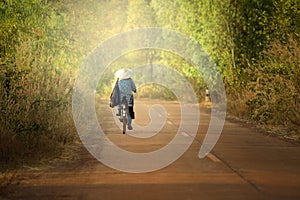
<point>124,124</point>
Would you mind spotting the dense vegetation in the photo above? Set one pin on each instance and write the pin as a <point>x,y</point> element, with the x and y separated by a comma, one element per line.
<point>255,44</point>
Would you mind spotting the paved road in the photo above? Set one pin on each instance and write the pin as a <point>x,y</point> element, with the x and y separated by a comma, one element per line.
<point>244,164</point>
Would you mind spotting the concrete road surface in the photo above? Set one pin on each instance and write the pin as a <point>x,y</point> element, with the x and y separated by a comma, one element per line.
<point>244,164</point>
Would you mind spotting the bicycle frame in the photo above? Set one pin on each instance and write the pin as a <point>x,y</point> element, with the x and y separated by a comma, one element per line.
<point>124,113</point>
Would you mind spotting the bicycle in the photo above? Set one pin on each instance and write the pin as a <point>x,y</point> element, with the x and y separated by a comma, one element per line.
<point>124,114</point>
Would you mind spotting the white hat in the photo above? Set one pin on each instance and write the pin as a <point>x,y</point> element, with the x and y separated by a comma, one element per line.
<point>124,73</point>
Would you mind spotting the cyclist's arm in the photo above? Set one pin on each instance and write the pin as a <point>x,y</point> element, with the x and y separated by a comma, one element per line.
<point>133,87</point>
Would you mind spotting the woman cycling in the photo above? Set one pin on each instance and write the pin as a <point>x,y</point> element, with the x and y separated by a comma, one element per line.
<point>126,87</point>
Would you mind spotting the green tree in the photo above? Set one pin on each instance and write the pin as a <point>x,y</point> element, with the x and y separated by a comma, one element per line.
<point>35,80</point>
<point>140,15</point>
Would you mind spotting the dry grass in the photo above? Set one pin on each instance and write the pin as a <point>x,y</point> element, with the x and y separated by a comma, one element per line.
<point>36,120</point>
<point>273,100</point>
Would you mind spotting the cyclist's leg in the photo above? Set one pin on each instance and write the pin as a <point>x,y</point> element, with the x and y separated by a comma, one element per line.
<point>130,112</point>
<point>129,121</point>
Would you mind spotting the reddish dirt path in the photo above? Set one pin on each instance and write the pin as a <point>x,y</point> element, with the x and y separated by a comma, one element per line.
<point>245,164</point>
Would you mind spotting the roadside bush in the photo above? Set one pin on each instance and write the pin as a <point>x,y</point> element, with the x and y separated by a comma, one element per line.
<point>35,83</point>
<point>154,91</point>
<point>277,94</point>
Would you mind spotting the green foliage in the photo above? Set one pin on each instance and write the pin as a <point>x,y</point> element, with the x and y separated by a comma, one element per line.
<point>35,81</point>
<point>285,19</point>
<point>241,37</point>
<point>140,14</point>
<point>254,43</point>
<point>277,92</point>
<point>153,91</point>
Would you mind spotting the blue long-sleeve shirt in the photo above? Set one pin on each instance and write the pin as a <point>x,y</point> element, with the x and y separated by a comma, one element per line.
<point>126,87</point>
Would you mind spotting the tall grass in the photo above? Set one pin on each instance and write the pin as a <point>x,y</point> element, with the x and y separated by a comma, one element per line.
<point>277,98</point>
<point>35,112</point>
<point>272,97</point>
<point>35,83</point>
